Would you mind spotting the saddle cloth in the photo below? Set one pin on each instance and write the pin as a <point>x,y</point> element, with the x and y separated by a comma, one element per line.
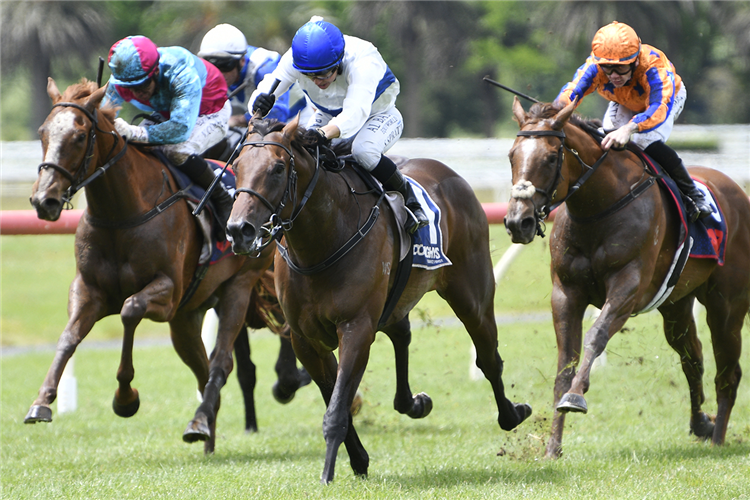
<point>428,241</point>
<point>212,250</point>
<point>702,239</point>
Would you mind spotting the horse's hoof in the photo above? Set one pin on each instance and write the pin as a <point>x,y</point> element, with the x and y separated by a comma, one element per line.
<point>523,410</point>
<point>422,406</point>
<point>127,410</point>
<point>281,396</point>
<point>356,404</point>
<point>704,429</point>
<point>572,403</point>
<point>38,413</point>
<point>304,378</point>
<point>197,430</point>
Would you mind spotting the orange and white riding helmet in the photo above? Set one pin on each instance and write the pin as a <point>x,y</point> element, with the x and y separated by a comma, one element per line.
<point>615,43</point>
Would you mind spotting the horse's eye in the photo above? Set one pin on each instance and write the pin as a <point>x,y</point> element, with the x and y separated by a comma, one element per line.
<point>278,168</point>
<point>552,159</point>
<point>80,137</point>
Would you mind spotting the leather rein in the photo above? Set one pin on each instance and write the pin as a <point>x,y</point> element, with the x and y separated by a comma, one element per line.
<point>549,193</point>
<point>276,225</point>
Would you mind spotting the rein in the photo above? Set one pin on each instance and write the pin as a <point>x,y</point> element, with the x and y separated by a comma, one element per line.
<point>77,182</point>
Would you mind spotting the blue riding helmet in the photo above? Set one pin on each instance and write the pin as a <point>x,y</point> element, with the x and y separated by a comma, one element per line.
<point>317,46</point>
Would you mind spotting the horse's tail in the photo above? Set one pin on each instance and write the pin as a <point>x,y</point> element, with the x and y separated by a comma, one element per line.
<point>264,310</point>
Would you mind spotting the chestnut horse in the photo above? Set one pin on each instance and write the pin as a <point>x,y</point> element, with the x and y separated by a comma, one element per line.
<point>337,302</point>
<point>612,244</point>
<point>137,250</point>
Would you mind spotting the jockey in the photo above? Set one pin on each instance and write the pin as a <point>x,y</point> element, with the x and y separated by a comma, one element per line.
<point>188,97</point>
<point>354,93</point>
<point>241,64</point>
<point>646,95</point>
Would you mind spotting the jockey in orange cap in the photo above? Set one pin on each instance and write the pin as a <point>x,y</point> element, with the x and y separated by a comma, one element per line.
<point>646,95</point>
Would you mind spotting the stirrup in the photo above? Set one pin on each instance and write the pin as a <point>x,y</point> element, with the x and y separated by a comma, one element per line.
<point>413,222</point>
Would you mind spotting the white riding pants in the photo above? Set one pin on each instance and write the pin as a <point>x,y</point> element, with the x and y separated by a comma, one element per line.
<point>618,115</point>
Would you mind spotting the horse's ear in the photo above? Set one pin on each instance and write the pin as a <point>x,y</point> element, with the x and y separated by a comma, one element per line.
<point>95,99</point>
<point>518,113</point>
<point>562,117</point>
<point>291,128</point>
<point>52,91</point>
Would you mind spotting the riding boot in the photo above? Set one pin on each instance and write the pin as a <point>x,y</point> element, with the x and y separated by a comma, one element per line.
<point>392,179</point>
<point>697,205</point>
<point>203,175</point>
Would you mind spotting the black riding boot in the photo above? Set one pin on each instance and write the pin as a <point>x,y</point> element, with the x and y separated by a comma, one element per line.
<point>392,179</point>
<point>697,205</point>
<point>203,175</point>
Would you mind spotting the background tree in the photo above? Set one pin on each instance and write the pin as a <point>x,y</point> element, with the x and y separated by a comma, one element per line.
<point>39,36</point>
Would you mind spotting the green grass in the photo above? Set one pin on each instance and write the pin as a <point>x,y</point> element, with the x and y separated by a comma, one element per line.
<point>633,443</point>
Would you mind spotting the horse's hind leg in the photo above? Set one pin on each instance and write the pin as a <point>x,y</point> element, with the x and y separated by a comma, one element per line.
<point>681,334</point>
<point>246,377</point>
<point>725,319</point>
<point>85,309</point>
<point>417,405</point>
<point>470,294</point>
<point>289,377</point>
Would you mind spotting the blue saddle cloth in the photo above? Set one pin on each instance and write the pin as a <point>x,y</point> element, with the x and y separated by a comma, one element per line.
<point>708,233</point>
<point>219,248</point>
<point>428,241</point>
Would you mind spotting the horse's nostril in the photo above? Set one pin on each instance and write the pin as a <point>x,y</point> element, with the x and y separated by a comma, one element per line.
<point>247,230</point>
<point>527,224</point>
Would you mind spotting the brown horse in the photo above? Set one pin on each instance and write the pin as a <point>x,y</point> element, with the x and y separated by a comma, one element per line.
<point>612,244</point>
<point>137,250</point>
<point>334,297</point>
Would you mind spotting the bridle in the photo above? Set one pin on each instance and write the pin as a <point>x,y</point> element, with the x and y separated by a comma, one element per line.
<point>276,224</point>
<point>541,213</point>
<point>77,179</point>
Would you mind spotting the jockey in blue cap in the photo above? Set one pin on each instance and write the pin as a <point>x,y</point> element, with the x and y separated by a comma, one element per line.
<point>354,93</point>
<point>243,67</point>
<point>188,99</point>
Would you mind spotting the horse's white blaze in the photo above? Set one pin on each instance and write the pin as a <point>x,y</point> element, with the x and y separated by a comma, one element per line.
<point>522,189</point>
<point>61,124</point>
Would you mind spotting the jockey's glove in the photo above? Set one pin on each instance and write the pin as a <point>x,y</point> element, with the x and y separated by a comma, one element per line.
<point>131,132</point>
<point>264,103</point>
<point>315,137</point>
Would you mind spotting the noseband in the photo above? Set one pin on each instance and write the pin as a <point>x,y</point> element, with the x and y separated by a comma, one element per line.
<point>542,213</point>
<point>77,181</point>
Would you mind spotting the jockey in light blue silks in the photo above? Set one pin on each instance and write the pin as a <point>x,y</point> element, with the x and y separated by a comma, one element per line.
<point>354,93</point>
<point>188,96</point>
<point>243,65</point>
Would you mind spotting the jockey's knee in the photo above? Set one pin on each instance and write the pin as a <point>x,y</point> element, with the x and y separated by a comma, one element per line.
<point>367,156</point>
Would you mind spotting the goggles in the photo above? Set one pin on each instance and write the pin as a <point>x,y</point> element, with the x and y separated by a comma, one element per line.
<point>620,69</point>
<point>225,65</point>
<point>322,75</point>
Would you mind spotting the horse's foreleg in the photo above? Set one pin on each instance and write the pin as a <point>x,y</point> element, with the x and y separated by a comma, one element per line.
<point>246,377</point>
<point>338,427</point>
<point>621,298</point>
<point>153,302</point>
<point>231,310</point>
<point>568,308</point>
<point>413,405</point>
<point>85,307</point>
<point>289,377</point>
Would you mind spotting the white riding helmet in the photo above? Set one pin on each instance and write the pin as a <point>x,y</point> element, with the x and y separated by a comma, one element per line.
<point>223,41</point>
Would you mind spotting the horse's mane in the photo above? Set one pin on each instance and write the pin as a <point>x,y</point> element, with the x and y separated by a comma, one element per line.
<point>82,90</point>
<point>266,126</point>
<point>546,110</point>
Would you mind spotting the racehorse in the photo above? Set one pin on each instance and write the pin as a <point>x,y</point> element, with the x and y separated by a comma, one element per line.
<point>333,293</point>
<point>137,251</point>
<point>612,245</point>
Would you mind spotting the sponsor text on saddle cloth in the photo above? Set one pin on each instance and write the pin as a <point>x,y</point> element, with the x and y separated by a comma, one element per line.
<point>213,250</point>
<point>428,241</point>
<point>702,239</point>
